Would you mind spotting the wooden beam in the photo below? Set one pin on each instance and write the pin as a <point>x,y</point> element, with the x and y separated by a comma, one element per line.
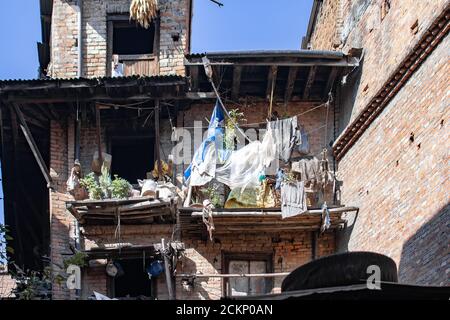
<point>237,72</point>
<point>309,82</point>
<point>313,62</point>
<point>330,81</point>
<point>314,245</point>
<point>157,139</point>
<point>290,84</point>
<point>233,275</point>
<point>271,79</point>
<point>29,137</point>
<point>193,71</point>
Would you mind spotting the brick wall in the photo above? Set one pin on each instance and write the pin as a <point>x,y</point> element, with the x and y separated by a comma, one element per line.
<point>61,222</point>
<point>7,285</point>
<point>289,250</point>
<point>327,32</point>
<point>174,17</point>
<point>386,41</point>
<point>95,277</point>
<point>401,186</point>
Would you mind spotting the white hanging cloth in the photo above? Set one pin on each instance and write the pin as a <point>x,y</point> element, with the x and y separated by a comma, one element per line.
<point>244,166</point>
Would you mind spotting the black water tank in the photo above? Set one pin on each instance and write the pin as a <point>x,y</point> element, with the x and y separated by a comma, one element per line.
<point>339,270</point>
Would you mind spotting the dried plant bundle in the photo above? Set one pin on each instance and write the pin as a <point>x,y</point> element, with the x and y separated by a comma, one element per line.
<point>143,11</point>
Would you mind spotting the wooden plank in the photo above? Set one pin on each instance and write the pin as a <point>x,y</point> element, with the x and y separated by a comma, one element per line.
<point>109,202</point>
<point>157,139</point>
<point>233,275</point>
<point>309,82</point>
<point>109,47</point>
<point>137,57</point>
<point>32,144</point>
<point>277,212</point>
<point>290,84</point>
<point>237,72</point>
<point>194,77</point>
<point>271,80</point>
<point>310,63</point>
<point>330,81</point>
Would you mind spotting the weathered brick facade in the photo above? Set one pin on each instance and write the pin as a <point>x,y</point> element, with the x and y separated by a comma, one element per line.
<point>289,250</point>
<point>174,18</point>
<point>397,171</point>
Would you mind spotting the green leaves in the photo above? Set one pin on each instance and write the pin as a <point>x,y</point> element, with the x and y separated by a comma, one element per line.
<point>120,188</point>
<point>105,188</point>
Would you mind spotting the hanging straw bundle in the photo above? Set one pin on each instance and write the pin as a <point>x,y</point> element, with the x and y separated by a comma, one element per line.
<point>143,11</point>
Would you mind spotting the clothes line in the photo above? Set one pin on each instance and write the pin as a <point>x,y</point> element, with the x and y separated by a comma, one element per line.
<point>264,122</point>
<point>233,275</point>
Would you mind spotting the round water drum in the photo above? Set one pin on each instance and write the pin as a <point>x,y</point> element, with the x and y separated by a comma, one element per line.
<point>340,270</point>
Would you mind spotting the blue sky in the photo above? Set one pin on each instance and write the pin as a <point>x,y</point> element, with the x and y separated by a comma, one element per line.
<point>238,25</point>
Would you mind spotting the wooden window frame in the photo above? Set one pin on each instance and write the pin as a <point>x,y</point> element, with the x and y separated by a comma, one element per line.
<point>246,256</point>
<point>111,18</point>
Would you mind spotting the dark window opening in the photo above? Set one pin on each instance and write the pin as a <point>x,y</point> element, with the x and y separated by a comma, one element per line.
<point>134,282</point>
<point>132,157</point>
<point>130,39</point>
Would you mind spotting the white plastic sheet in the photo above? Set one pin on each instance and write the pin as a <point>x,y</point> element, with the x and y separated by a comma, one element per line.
<point>244,166</point>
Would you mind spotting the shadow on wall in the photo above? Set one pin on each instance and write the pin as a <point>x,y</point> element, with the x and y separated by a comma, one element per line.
<point>347,95</point>
<point>343,236</point>
<point>197,291</point>
<point>425,258</point>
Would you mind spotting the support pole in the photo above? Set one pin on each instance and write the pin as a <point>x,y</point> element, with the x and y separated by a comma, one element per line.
<point>167,271</point>
<point>209,74</point>
<point>99,133</point>
<point>34,149</point>
<point>158,139</point>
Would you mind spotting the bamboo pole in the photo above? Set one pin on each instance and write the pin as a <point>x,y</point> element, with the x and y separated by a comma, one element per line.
<point>234,275</point>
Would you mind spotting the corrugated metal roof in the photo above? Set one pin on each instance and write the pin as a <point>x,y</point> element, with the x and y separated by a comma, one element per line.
<point>324,54</point>
<point>95,81</point>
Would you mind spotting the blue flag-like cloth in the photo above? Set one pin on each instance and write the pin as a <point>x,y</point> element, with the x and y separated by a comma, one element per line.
<point>214,136</point>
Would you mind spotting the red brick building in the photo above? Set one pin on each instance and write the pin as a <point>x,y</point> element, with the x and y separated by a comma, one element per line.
<point>393,129</point>
<point>396,205</point>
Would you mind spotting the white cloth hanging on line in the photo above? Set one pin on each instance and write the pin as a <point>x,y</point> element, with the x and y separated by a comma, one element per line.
<point>244,166</point>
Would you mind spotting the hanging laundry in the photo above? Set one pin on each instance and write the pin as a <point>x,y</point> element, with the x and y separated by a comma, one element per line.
<point>203,166</point>
<point>293,199</point>
<point>208,218</point>
<point>326,220</point>
<point>243,168</point>
<point>308,169</point>
<point>279,178</point>
<point>284,132</point>
<point>300,145</point>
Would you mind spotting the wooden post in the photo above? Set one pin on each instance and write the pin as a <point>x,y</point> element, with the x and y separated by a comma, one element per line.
<point>32,144</point>
<point>167,271</point>
<point>99,140</point>
<point>157,138</point>
<point>314,245</point>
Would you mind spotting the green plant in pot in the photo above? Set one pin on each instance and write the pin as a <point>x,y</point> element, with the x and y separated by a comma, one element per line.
<point>90,183</point>
<point>120,188</point>
<point>105,182</point>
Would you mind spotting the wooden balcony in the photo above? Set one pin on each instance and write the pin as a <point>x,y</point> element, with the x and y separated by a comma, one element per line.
<point>259,220</point>
<point>127,211</point>
<point>138,64</point>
